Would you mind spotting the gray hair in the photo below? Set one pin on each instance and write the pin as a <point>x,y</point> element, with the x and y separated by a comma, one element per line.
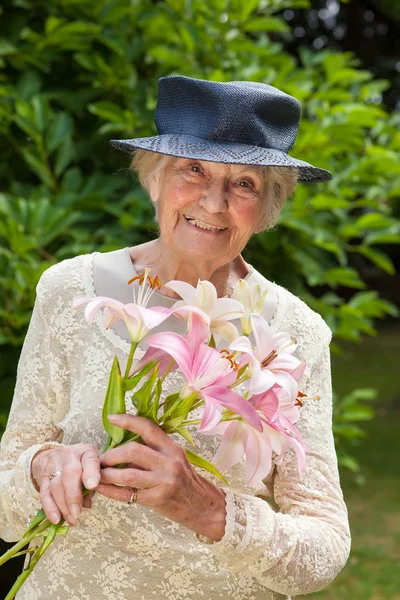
<point>280,182</point>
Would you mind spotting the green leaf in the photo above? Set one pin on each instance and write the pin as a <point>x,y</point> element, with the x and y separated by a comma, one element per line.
<point>152,413</point>
<point>374,220</point>
<point>346,277</point>
<point>142,397</point>
<point>199,461</point>
<point>6,47</point>
<point>62,126</point>
<point>34,160</point>
<point>131,382</point>
<point>266,24</point>
<point>358,412</point>
<point>65,154</point>
<point>378,258</point>
<point>114,403</point>
<point>350,463</point>
<point>184,433</point>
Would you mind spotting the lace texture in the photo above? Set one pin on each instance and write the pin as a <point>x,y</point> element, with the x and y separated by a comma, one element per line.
<point>124,552</point>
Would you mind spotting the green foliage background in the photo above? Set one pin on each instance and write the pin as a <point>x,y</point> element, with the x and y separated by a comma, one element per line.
<point>74,74</point>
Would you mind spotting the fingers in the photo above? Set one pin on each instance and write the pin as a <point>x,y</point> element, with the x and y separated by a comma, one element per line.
<point>87,500</point>
<point>61,495</point>
<point>114,492</point>
<point>90,468</point>
<point>49,505</point>
<point>141,456</point>
<point>152,435</point>
<point>129,477</point>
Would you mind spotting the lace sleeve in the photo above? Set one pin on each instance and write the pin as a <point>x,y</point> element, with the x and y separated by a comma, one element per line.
<point>301,548</point>
<point>30,426</point>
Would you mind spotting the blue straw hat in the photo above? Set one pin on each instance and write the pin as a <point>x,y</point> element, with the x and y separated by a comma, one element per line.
<point>237,122</point>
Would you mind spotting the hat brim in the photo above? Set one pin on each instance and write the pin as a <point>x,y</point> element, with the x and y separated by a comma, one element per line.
<point>189,146</point>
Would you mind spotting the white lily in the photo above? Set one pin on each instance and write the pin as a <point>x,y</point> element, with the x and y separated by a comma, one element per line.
<point>220,310</point>
<point>252,298</point>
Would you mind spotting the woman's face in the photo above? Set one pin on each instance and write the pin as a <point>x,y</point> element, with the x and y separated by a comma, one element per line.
<point>194,196</point>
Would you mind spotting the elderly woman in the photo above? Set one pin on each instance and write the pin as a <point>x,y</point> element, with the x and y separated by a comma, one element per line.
<point>218,171</point>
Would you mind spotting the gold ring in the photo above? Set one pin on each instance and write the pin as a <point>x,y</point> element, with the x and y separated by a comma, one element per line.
<point>133,498</point>
<point>54,474</point>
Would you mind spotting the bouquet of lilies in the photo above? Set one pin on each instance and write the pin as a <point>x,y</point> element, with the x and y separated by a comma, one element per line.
<point>246,392</point>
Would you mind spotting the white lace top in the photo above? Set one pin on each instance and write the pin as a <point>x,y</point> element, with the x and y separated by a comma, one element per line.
<point>283,537</point>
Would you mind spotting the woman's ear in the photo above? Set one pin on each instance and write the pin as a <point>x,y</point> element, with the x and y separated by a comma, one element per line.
<point>154,188</point>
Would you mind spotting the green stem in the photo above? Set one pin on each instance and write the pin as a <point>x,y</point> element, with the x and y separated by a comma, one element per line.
<point>134,345</point>
<point>34,560</point>
<point>167,371</point>
<point>198,421</point>
<point>239,381</point>
<point>26,539</point>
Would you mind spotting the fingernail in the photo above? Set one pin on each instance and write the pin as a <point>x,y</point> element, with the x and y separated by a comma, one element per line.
<point>92,482</point>
<point>75,511</point>
<point>112,417</point>
<point>54,518</point>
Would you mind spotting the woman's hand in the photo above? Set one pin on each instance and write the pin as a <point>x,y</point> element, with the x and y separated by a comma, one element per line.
<point>62,494</point>
<point>164,478</point>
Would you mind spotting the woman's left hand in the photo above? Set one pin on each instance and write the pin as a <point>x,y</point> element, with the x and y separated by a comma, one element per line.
<point>164,478</point>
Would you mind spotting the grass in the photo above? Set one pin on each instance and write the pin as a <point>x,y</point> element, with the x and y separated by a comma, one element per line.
<point>372,571</point>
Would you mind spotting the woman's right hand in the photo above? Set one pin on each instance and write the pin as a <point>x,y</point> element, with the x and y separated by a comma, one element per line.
<point>62,495</point>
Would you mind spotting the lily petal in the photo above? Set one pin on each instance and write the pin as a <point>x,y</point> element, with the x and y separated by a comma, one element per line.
<point>227,308</point>
<point>186,291</point>
<point>212,413</point>
<point>258,457</point>
<point>236,403</point>
<point>177,347</point>
<point>225,329</point>
<point>232,447</point>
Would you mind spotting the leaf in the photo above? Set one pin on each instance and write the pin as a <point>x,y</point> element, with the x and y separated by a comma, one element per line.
<point>358,412</point>
<point>153,411</point>
<point>199,461</point>
<point>185,405</point>
<point>62,126</point>
<point>378,258</point>
<point>108,111</point>
<point>131,382</point>
<point>346,277</point>
<point>374,220</point>
<point>184,433</point>
<point>6,47</point>
<point>34,160</point>
<point>141,398</point>
<point>114,403</point>
<point>266,24</point>
<point>65,154</point>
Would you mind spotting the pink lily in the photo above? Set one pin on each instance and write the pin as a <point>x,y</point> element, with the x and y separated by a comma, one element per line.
<point>138,319</point>
<point>240,440</point>
<point>271,362</point>
<point>206,371</point>
<point>220,310</point>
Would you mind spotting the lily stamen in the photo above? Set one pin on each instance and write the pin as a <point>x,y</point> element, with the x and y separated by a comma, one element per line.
<point>230,356</point>
<point>153,283</point>
<point>268,359</point>
<point>301,396</point>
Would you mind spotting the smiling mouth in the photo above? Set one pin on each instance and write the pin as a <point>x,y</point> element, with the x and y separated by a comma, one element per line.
<point>201,225</point>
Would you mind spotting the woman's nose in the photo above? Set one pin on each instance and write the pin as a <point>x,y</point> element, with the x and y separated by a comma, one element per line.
<point>214,197</point>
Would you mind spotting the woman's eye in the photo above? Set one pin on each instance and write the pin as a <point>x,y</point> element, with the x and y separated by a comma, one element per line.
<point>245,184</point>
<point>195,168</point>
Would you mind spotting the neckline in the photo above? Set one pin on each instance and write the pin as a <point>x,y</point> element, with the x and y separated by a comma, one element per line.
<point>156,293</point>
